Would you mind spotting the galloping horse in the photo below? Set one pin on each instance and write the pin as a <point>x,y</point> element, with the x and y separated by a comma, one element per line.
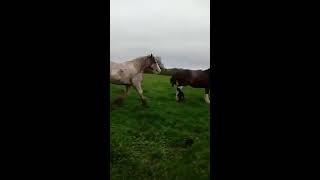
<point>130,73</point>
<point>194,78</point>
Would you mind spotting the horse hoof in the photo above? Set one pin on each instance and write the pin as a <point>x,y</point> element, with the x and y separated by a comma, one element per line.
<point>206,98</point>
<point>145,105</point>
<point>118,101</point>
<point>144,102</point>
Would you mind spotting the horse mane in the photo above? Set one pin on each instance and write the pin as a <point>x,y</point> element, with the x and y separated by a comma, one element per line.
<point>143,62</point>
<point>139,58</point>
<point>143,59</point>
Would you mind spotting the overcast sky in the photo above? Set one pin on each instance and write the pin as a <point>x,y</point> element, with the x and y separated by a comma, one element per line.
<point>176,30</point>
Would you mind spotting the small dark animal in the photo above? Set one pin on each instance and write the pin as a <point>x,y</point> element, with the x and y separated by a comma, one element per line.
<point>193,78</point>
<point>188,142</point>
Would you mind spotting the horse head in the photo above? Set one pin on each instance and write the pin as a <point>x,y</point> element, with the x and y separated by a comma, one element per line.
<point>154,65</point>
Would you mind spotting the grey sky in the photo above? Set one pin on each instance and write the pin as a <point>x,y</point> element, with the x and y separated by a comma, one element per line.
<point>176,30</point>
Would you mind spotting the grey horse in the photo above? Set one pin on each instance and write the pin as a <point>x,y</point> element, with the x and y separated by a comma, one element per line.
<point>130,73</point>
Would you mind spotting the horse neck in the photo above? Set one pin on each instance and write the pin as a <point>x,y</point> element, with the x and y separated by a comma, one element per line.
<point>141,64</point>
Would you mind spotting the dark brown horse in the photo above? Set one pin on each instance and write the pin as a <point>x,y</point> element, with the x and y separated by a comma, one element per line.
<point>193,78</point>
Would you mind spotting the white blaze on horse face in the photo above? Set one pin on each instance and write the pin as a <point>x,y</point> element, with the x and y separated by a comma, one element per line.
<point>156,68</point>
<point>206,98</point>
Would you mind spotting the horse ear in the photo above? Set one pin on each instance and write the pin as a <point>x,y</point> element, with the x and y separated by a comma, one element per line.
<point>151,55</point>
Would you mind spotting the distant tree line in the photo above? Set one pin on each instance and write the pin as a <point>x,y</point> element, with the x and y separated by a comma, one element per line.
<point>167,72</point>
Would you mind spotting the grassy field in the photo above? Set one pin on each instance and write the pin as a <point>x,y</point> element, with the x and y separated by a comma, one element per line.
<point>150,142</point>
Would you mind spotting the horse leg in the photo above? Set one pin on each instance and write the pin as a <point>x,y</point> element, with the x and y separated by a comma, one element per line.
<point>179,93</point>
<point>206,96</point>
<point>140,92</point>
<point>120,98</point>
<point>127,90</point>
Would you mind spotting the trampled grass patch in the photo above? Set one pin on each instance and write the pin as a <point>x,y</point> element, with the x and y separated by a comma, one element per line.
<point>150,142</point>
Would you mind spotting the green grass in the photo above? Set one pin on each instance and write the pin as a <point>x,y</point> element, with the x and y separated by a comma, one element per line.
<point>149,142</point>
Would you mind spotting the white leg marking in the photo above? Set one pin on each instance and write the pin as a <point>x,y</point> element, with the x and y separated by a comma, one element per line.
<point>206,98</point>
<point>177,92</point>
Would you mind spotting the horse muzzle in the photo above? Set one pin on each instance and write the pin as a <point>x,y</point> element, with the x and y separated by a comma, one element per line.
<point>156,72</point>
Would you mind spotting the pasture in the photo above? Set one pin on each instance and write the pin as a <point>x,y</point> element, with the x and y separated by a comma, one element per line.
<point>155,142</point>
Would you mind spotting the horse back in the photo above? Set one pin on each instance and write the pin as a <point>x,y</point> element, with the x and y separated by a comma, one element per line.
<point>121,73</point>
<point>194,78</point>
<point>200,79</point>
<point>181,77</point>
